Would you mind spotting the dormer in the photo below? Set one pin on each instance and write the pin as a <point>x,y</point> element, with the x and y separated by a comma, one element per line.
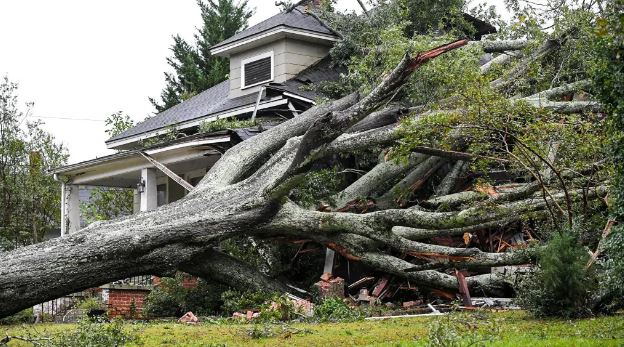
<point>275,50</point>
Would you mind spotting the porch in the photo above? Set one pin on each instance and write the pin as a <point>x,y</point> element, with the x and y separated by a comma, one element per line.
<point>158,175</point>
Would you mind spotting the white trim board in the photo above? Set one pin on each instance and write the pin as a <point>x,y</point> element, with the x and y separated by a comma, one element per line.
<point>130,154</point>
<point>300,33</point>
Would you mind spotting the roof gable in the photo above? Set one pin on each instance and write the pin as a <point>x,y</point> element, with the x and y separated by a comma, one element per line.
<point>298,19</point>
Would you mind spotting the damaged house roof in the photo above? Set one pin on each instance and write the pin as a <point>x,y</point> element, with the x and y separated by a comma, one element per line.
<point>215,101</point>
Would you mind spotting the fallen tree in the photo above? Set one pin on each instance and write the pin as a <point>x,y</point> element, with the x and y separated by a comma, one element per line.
<point>380,220</point>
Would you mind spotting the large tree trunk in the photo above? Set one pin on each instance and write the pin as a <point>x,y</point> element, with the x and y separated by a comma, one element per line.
<point>245,193</point>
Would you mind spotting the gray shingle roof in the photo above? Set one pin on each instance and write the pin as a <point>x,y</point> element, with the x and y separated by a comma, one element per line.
<point>297,19</point>
<point>204,103</point>
<point>215,100</point>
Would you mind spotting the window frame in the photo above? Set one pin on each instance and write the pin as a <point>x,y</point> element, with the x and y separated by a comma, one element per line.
<point>251,60</point>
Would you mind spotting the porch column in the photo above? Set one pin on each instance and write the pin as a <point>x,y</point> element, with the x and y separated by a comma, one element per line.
<point>149,195</point>
<point>70,209</point>
<point>136,201</point>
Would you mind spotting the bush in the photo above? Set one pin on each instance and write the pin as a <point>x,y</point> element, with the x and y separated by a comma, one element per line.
<point>25,316</point>
<point>612,279</point>
<point>171,299</point>
<point>235,301</point>
<point>279,308</point>
<point>560,286</point>
<point>335,310</point>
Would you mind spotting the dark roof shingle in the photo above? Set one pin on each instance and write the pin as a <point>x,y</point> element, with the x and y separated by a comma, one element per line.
<point>297,19</point>
<point>215,100</point>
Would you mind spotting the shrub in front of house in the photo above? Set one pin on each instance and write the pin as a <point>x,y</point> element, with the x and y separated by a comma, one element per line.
<point>25,316</point>
<point>561,286</point>
<point>171,299</point>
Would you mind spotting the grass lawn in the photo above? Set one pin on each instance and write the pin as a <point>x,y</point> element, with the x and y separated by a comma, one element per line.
<point>492,329</point>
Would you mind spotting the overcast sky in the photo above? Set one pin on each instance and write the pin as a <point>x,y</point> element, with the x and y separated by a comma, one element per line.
<point>80,61</point>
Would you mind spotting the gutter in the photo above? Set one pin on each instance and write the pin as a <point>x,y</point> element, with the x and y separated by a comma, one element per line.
<point>58,172</point>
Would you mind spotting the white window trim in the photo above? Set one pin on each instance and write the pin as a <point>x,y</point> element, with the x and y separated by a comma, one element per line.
<point>252,59</point>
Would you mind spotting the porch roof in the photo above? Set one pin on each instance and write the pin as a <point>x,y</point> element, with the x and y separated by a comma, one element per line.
<point>123,169</point>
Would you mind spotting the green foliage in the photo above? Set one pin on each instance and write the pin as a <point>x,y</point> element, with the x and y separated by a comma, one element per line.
<point>278,309</point>
<point>498,130</point>
<point>171,133</point>
<point>223,124</point>
<point>608,77</point>
<point>25,316</point>
<point>117,123</point>
<point>107,203</point>
<point>235,301</point>
<point>372,45</point>
<point>195,69</point>
<point>90,304</point>
<point>462,330</point>
<point>511,328</point>
<point>336,310</point>
<point>272,307</point>
<point>171,299</point>
<point>30,206</point>
<point>263,331</point>
<point>93,334</point>
<point>263,255</point>
<point>436,16</point>
<point>560,286</point>
<point>110,203</point>
<point>318,186</point>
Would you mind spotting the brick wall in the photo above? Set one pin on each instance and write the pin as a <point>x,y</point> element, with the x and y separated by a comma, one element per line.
<point>188,281</point>
<point>120,302</point>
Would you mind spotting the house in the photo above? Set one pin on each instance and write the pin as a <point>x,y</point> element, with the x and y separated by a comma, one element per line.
<point>271,63</point>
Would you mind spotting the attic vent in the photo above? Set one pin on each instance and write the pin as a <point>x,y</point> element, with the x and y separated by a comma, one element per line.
<point>257,70</point>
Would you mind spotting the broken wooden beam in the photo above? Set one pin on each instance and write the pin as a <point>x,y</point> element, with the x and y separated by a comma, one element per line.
<point>179,180</point>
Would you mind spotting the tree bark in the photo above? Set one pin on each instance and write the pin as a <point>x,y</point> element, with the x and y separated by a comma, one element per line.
<point>246,193</point>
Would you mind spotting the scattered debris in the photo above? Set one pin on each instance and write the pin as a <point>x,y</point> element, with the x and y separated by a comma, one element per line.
<point>361,283</point>
<point>189,318</point>
<point>412,304</point>
<point>365,297</point>
<point>380,286</point>
<point>496,303</point>
<point>434,313</point>
<point>302,306</point>
<point>330,287</point>
<point>463,288</point>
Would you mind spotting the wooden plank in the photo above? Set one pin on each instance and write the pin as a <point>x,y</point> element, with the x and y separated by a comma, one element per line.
<point>330,256</point>
<point>463,288</point>
<point>381,285</point>
<point>361,282</point>
<point>179,180</point>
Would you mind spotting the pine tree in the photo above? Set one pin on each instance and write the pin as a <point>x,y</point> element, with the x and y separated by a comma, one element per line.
<point>195,69</point>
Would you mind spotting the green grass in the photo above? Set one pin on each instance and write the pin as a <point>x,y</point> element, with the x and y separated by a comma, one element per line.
<point>499,329</point>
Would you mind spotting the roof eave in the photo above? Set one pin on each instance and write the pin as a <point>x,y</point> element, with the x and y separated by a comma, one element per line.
<point>269,35</point>
<point>72,168</point>
<point>121,143</point>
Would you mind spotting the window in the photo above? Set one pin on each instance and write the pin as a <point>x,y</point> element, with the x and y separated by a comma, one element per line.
<point>257,70</point>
